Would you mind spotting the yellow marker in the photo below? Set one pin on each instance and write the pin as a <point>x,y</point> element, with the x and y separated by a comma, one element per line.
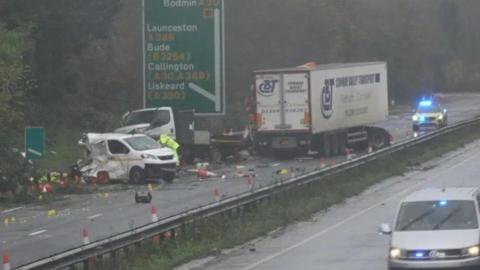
<point>150,188</point>
<point>40,197</point>
<point>6,221</point>
<point>107,195</point>
<point>52,213</point>
<point>12,220</point>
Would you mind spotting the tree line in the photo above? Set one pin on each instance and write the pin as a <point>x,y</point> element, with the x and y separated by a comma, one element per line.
<point>77,64</point>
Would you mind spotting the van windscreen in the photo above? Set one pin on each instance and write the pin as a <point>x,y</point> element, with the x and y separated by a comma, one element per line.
<point>437,215</point>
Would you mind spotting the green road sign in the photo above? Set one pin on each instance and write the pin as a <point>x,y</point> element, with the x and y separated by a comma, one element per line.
<point>183,43</point>
<point>34,143</point>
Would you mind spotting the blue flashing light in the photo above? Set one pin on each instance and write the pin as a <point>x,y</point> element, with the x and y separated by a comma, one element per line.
<point>425,103</point>
<point>442,203</point>
<point>419,254</point>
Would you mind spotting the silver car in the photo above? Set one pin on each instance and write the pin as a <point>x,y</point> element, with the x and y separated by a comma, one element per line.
<point>436,228</point>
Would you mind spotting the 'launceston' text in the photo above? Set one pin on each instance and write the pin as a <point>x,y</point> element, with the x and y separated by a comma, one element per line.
<point>172,28</point>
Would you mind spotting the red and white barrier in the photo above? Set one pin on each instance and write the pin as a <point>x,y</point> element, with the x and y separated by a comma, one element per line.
<point>250,183</point>
<point>322,163</point>
<point>349,153</point>
<point>216,194</point>
<point>153,211</point>
<point>6,261</point>
<point>86,239</point>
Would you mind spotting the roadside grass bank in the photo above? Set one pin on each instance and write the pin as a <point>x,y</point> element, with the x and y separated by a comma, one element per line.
<point>210,236</point>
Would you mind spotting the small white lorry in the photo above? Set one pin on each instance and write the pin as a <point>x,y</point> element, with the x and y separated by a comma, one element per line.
<point>180,126</point>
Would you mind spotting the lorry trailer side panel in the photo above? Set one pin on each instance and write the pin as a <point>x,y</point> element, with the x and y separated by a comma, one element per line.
<point>348,97</point>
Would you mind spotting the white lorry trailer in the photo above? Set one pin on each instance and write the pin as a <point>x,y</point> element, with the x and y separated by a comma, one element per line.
<point>322,108</point>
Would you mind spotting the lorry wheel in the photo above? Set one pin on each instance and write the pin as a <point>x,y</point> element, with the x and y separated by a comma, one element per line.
<point>327,146</point>
<point>415,127</point>
<point>335,145</point>
<point>136,175</point>
<point>215,156</point>
<point>168,177</point>
<point>342,144</point>
<point>378,140</point>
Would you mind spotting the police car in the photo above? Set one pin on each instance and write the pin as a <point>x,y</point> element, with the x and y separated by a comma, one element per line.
<point>429,114</point>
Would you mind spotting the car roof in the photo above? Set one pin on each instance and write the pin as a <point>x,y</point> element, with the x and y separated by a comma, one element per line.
<point>448,193</point>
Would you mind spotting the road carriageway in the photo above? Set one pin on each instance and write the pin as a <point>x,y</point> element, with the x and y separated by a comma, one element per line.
<point>34,234</point>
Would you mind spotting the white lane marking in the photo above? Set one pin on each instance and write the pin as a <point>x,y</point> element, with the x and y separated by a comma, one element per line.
<point>37,233</point>
<point>361,213</point>
<point>95,216</point>
<point>11,210</point>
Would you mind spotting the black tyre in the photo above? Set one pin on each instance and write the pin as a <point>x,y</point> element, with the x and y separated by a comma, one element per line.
<point>215,155</point>
<point>415,127</point>
<point>327,146</point>
<point>342,143</point>
<point>136,175</point>
<point>335,145</point>
<point>168,177</point>
<point>379,140</point>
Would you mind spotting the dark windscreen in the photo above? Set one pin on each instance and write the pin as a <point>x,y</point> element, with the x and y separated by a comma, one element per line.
<point>437,215</point>
<point>147,117</point>
<point>142,143</point>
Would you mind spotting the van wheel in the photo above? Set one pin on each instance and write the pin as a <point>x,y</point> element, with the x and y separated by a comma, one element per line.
<point>136,175</point>
<point>168,177</point>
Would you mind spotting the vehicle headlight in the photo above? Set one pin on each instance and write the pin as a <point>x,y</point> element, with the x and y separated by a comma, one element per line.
<point>440,117</point>
<point>473,251</point>
<point>148,156</point>
<point>395,253</point>
<point>415,117</point>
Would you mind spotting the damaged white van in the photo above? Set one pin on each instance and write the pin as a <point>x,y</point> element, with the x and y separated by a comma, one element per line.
<point>127,157</point>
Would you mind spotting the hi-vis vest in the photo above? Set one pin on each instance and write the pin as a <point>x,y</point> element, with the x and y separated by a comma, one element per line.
<point>169,142</point>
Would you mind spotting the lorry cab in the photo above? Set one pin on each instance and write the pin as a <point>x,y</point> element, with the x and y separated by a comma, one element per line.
<point>151,121</point>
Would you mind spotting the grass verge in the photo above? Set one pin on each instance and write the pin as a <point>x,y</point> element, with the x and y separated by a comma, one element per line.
<point>209,237</point>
